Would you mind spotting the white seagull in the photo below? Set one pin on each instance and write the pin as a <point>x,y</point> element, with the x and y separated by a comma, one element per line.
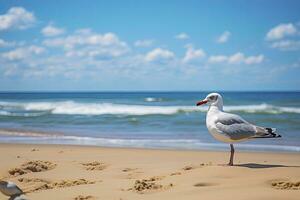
<point>231,128</point>
<point>10,189</point>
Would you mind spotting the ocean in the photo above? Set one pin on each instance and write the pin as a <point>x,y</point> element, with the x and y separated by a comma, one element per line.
<point>165,120</point>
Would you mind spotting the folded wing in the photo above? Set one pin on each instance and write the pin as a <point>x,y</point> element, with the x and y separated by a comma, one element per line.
<point>235,127</point>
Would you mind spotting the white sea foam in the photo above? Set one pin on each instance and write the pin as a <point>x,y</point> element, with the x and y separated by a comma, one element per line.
<point>152,99</point>
<point>106,108</point>
<point>16,114</point>
<point>81,108</point>
<point>263,108</point>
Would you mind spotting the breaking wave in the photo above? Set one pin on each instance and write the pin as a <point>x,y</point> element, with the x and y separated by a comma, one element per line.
<point>152,99</point>
<point>33,109</point>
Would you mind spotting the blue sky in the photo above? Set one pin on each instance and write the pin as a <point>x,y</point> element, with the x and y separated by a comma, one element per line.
<point>149,45</point>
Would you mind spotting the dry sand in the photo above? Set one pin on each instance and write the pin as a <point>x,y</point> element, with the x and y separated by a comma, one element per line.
<point>76,172</point>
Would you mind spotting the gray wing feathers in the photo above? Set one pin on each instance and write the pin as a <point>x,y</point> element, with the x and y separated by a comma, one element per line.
<point>235,127</point>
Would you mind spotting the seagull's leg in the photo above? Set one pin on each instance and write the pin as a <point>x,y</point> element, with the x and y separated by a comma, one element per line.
<point>231,155</point>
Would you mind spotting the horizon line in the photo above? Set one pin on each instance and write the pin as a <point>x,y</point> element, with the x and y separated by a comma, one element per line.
<point>141,91</point>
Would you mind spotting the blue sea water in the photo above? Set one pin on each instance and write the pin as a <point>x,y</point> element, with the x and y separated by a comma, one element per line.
<point>143,119</point>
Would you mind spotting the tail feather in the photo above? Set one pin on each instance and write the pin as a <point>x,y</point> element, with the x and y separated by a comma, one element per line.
<point>272,131</point>
<point>268,133</point>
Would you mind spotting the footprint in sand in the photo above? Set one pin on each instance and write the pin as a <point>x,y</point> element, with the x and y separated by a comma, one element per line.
<point>190,167</point>
<point>34,149</point>
<point>32,166</point>
<point>133,173</point>
<point>149,185</point>
<point>127,169</point>
<point>36,184</point>
<point>95,165</point>
<point>81,197</point>
<point>203,184</point>
<point>286,185</point>
<point>175,174</point>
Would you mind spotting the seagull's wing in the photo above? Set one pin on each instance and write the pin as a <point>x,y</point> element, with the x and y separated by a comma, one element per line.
<point>235,127</point>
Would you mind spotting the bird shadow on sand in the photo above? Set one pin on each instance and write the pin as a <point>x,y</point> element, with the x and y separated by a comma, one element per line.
<point>261,166</point>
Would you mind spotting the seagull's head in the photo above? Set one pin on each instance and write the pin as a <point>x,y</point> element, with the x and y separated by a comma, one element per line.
<point>213,99</point>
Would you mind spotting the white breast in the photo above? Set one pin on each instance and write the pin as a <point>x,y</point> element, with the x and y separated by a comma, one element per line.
<point>211,119</point>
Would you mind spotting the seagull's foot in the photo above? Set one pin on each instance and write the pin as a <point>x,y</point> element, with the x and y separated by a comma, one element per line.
<point>230,164</point>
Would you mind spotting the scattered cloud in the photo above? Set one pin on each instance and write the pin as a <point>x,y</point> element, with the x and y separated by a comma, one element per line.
<point>50,31</point>
<point>237,58</point>
<point>159,54</point>
<point>218,59</point>
<point>280,31</point>
<point>11,70</point>
<point>182,36</point>
<point>4,43</point>
<point>144,43</point>
<point>85,48</point>
<point>224,37</point>
<point>193,54</point>
<point>84,42</point>
<point>16,18</point>
<point>286,45</point>
<point>84,38</point>
<point>22,53</point>
<point>277,37</point>
<point>254,59</point>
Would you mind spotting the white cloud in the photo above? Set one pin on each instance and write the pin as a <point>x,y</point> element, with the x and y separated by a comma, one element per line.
<point>254,59</point>
<point>217,59</point>
<point>23,52</point>
<point>71,41</point>
<point>193,54</point>
<point>17,18</point>
<point>237,58</point>
<point>182,36</point>
<point>143,43</point>
<point>4,43</point>
<point>224,37</point>
<point>51,30</point>
<point>286,45</point>
<point>11,70</point>
<point>96,52</point>
<point>280,31</point>
<point>159,54</point>
<point>87,43</point>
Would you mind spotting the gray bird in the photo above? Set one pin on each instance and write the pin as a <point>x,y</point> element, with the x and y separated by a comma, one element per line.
<point>10,189</point>
<point>231,128</point>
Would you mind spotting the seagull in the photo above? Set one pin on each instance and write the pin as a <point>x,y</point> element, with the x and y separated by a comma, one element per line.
<point>10,189</point>
<point>231,128</point>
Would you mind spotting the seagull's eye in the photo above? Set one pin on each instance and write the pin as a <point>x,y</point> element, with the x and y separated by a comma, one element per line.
<point>213,98</point>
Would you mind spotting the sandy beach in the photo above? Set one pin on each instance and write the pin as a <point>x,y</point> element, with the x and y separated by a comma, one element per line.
<point>80,172</point>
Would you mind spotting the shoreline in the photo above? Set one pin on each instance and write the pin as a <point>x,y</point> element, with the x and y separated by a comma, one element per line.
<point>148,148</point>
<point>68,171</point>
<point>20,136</point>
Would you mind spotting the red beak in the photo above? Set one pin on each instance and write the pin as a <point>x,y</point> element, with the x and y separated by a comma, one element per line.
<point>201,102</point>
